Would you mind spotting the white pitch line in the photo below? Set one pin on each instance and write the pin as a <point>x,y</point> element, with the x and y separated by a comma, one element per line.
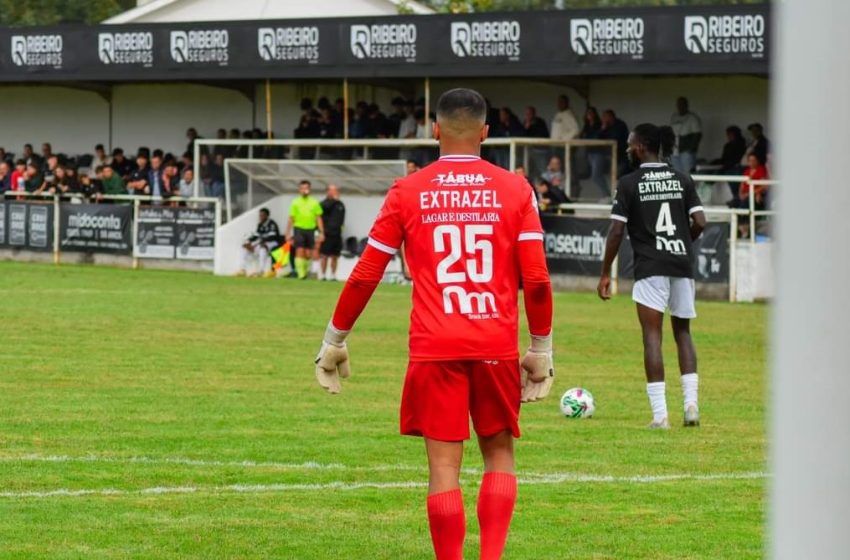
<point>555,478</point>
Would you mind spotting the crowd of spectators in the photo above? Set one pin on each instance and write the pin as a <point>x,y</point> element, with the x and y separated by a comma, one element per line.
<point>165,175</point>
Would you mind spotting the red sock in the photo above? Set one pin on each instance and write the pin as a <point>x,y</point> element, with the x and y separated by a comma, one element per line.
<point>496,501</point>
<point>448,524</point>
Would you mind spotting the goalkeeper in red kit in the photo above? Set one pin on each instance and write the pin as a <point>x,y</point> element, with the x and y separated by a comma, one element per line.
<point>471,232</point>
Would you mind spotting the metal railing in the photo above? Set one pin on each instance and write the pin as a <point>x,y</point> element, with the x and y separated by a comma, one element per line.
<point>733,215</point>
<point>136,200</point>
<point>366,147</point>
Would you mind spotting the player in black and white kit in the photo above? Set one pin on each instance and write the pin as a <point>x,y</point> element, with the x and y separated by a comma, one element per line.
<point>663,214</point>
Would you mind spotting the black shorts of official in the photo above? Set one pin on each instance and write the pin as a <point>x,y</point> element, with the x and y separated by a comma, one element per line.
<point>303,238</point>
<point>331,246</point>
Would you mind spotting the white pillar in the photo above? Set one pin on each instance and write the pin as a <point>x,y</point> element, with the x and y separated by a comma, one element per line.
<point>810,455</point>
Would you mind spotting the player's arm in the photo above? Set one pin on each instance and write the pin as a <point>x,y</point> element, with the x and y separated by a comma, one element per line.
<point>321,223</point>
<point>537,369</point>
<point>289,228</point>
<point>695,210</point>
<point>384,240</point>
<point>616,232</point>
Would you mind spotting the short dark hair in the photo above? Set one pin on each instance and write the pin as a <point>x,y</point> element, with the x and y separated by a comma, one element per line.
<point>462,104</point>
<point>265,211</point>
<point>657,139</point>
<point>305,182</point>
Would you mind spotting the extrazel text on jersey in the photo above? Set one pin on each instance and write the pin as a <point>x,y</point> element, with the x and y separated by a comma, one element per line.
<point>473,198</point>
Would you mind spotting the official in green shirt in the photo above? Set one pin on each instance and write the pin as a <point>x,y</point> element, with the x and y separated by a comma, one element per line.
<point>305,217</point>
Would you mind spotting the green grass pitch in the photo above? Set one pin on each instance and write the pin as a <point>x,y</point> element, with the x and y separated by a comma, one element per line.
<point>169,415</point>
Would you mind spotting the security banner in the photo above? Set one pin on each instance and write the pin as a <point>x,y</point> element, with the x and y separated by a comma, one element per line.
<point>96,228</point>
<point>27,225</point>
<point>156,232</point>
<point>711,255</point>
<point>664,40</point>
<point>574,245</point>
<point>195,234</point>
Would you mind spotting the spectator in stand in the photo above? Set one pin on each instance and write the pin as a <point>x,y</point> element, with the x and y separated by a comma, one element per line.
<point>396,117</point>
<point>50,169</point>
<point>89,187</point>
<point>407,126</point>
<point>687,127</point>
<point>564,124</point>
<point>187,162</point>
<point>328,125</point>
<point>155,175</point>
<point>333,215</point>
<point>56,182</point>
<point>533,126</point>
<point>308,126</point>
<point>5,177</point>
<point>509,125</point>
<point>192,136</point>
<point>610,128</point>
<point>71,179</point>
<point>3,155</point>
<point>46,153</point>
<point>412,166</point>
<point>187,183</point>
<point>171,179</point>
<point>99,159</point>
<point>423,132</point>
<point>553,174</point>
<point>216,177</point>
<point>358,127</point>
<point>550,196</point>
<point>595,156</point>
<point>111,182</point>
<point>29,156</point>
<point>19,175</point>
<point>34,180</point>
<point>730,159</point>
<point>139,180</point>
<point>760,145</point>
<point>378,126</point>
<point>122,166</point>
<point>756,170</point>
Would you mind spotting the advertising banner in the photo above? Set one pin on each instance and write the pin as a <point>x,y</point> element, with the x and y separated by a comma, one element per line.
<point>17,224</point>
<point>665,41</point>
<point>27,225</point>
<point>195,234</point>
<point>574,245</point>
<point>3,206</point>
<point>96,228</point>
<point>711,250</point>
<point>156,233</point>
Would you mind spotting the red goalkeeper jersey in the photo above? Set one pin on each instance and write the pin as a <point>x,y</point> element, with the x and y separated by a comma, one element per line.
<point>461,220</point>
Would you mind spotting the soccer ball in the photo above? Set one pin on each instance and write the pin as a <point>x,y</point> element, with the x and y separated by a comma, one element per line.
<point>578,403</point>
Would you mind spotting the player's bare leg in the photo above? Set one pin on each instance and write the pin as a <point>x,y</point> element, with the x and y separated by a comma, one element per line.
<point>323,266</point>
<point>687,367</point>
<point>445,501</point>
<point>334,262</point>
<point>651,324</point>
<point>497,496</point>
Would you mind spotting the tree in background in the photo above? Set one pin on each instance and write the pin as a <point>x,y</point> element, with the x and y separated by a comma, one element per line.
<point>464,6</point>
<point>50,12</point>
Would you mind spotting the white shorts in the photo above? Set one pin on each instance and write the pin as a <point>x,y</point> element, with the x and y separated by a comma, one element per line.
<point>661,292</point>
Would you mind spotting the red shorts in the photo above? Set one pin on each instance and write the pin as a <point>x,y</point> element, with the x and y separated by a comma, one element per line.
<point>439,398</point>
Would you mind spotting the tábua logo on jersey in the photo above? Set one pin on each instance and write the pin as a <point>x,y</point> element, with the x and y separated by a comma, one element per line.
<point>726,34</point>
<point>126,48</point>
<point>207,46</point>
<point>288,43</point>
<point>492,39</point>
<point>397,40</point>
<point>37,50</point>
<point>452,179</point>
<point>607,36</point>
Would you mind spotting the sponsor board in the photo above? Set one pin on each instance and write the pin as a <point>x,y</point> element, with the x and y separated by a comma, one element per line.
<point>37,50</point>
<point>727,34</point>
<point>200,46</point>
<point>126,48</point>
<point>195,234</point>
<point>387,41</point>
<point>289,44</point>
<point>498,39</point>
<point>95,228</point>
<point>610,36</point>
<point>574,245</point>
<point>155,232</point>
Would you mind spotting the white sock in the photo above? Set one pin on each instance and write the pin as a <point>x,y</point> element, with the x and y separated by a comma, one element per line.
<point>657,400</point>
<point>690,385</point>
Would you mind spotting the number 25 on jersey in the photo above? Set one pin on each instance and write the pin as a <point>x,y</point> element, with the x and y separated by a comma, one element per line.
<point>478,267</point>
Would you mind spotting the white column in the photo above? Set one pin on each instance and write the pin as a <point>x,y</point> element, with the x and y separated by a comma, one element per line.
<point>810,408</point>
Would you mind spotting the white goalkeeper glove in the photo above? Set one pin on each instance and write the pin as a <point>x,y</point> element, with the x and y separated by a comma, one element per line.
<point>538,373</point>
<point>332,360</point>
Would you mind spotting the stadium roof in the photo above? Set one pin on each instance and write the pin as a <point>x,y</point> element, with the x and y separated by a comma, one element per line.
<point>169,11</point>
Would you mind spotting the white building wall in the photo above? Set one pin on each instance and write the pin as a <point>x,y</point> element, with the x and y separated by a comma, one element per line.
<point>719,101</point>
<point>157,115</point>
<point>72,120</point>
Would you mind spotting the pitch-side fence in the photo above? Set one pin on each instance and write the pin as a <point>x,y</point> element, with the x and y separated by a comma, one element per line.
<point>137,226</point>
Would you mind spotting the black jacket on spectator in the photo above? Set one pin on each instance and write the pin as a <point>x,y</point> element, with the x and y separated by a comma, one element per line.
<point>733,151</point>
<point>761,147</point>
<point>123,169</point>
<point>537,129</point>
<point>333,216</point>
<point>620,133</point>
